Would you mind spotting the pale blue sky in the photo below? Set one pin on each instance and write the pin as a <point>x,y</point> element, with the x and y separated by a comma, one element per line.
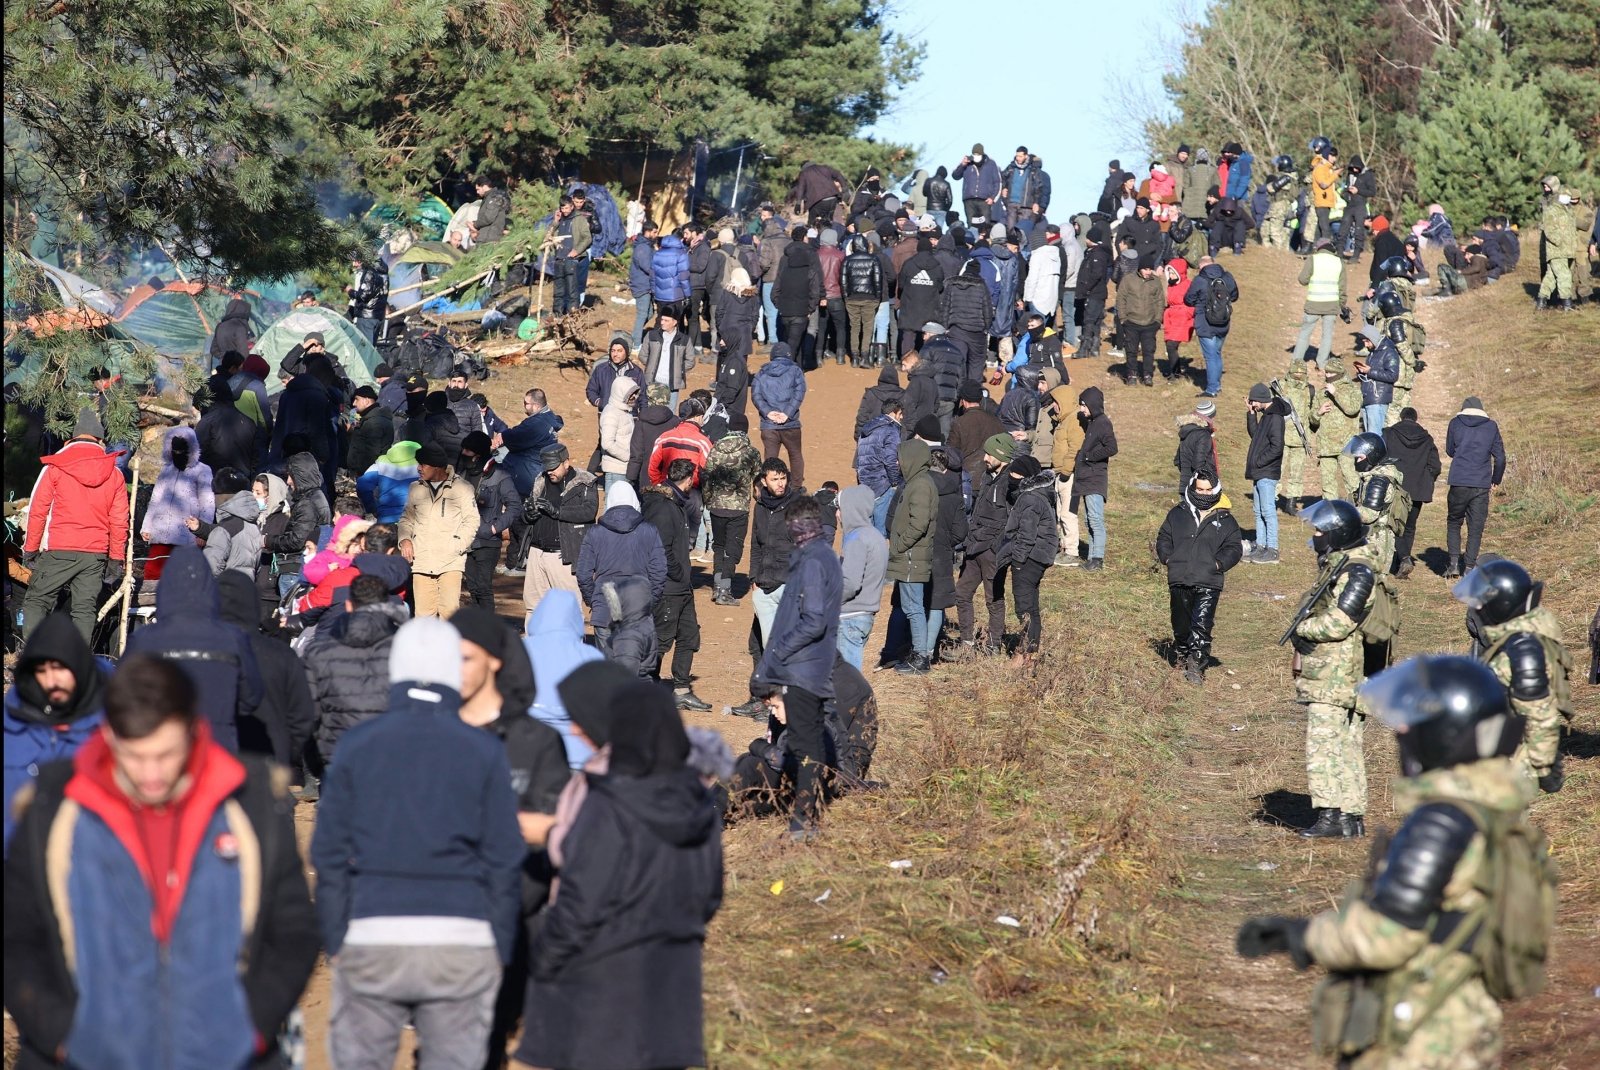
<point>1042,74</point>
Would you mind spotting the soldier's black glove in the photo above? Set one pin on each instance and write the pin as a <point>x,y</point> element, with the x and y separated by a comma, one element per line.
<point>1301,646</point>
<point>1344,313</point>
<point>114,570</point>
<point>1552,781</point>
<point>1273,935</point>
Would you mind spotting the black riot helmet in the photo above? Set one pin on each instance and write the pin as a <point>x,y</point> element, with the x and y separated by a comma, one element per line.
<point>1446,710</point>
<point>1181,228</point>
<point>1390,303</point>
<point>1336,524</point>
<point>1320,146</point>
<point>1284,162</point>
<point>1368,449</point>
<point>1395,267</point>
<point>1498,590</point>
<point>1395,333</point>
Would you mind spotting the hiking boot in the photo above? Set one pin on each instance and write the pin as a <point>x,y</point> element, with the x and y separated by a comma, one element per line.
<point>1452,571</point>
<point>310,791</point>
<point>1539,304</point>
<point>1149,381</point>
<point>1129,380</point>
<point>1328,826</point>
<point>755,709</point>
<point>915,665</point>
<point>1194,669</point>
<point>1405,569</point>
<point>1094,564</point>
<point>1264,556</point>
<point>1353,826</point>
<point>1066,561</point>
<point>723,597</point>
<point>688,700</point>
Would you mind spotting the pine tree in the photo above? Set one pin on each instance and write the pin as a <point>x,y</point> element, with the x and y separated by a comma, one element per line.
<point>1557,44</point>
<point>1483,137</point>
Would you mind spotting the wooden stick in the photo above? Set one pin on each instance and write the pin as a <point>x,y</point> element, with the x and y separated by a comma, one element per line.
<point>440,293</point>
<point>125,590</point>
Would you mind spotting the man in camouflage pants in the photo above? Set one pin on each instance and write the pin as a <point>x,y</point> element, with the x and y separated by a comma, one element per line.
<point>1336,419</point>
<point>1328,642</point>
<point>1298,438</point>
<point>1520,641</point>
<point>1392,938</point>
<point>1281,191</point>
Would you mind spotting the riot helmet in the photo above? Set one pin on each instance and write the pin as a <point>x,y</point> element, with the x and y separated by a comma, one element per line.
<point>1390,303</point>
<point>1498,590</point>
<point>1368,449</point>
<point>1395,267</point>
<point>1445,709</point>
<point>1336,525</point>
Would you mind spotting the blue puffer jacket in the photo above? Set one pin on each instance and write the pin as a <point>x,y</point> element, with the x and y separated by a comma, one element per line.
<point>669,271</point>
<point>639,271</point>
<point>524,443</point>
<point>780,386</point>
<point>619,546</point>
<point>804,632</point>
<point>877,456</point>
<point>1239,178</point>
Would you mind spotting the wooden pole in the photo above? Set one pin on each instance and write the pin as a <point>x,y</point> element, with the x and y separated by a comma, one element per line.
<point>440,293</point>
<point>125,590</point>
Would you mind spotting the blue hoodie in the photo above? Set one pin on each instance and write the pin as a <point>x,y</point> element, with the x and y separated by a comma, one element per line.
<point>556,647</point>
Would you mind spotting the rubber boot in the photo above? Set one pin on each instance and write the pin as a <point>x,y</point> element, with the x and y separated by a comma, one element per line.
<point>1453,570</point>
<point>1353,826</point>
<point>877,353</point>
<point>1328,826</point>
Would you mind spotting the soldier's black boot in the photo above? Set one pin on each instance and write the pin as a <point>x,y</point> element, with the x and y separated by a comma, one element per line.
<point>1453,570</point>
<point>1328,826</point>
<point>1353,826</point>
<point>1538,304</point>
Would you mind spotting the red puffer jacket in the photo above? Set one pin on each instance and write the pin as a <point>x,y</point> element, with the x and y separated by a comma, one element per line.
<point>80,502</point>
<point>1177,323</point>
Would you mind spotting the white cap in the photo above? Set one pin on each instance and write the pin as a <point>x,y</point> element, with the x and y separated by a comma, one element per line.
<point>926,223</point>
<point>426,651</point>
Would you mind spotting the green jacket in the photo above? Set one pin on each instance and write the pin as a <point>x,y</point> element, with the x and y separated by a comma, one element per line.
<point>915,509</point>
<point>1559,222</point>
<point>1543,718</point>
<point>1340,423</point>
<point>1332,672</point>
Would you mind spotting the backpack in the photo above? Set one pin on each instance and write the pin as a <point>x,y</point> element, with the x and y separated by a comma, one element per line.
<point>1518,882</point>
<point>1382,622</point>
<point>1218,307</point>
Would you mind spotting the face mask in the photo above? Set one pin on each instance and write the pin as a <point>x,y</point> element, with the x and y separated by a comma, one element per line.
<point>261,504</point>
<point>1319,543</point>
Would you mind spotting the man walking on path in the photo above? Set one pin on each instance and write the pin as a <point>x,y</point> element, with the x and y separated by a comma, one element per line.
<point>1323,277</point>
<point>778,390</point>
<point>1477,464</point>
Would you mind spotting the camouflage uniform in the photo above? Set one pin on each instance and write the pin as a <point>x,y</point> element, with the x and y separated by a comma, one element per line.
<point>1335,428</point>
<point>1410,353</point>
<point>1543,715</point>
<point>1464,1032</point>
<point>1336,770</point>
<point>1275,229</point>
<point>1383,507</point>
<point>1191,248</point>
<point>1559,226</point>
<point>1296,390</point>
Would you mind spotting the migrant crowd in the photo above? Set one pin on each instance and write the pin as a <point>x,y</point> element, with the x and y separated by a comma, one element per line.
<point>323,560</point>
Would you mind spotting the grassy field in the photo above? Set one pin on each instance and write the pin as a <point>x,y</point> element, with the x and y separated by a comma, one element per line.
<point>1127,822</point>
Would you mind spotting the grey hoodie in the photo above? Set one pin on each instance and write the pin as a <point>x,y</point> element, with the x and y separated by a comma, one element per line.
<point>225,550</point>
<point>865,554</point>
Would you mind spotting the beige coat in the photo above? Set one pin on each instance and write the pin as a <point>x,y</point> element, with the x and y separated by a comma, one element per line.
<point>440,525</point>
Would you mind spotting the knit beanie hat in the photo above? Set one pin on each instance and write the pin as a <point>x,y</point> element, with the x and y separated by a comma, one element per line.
<point>433,455</point>
<point>1097,235</point>
<point>1470,403</point>
<point>403,452</point>
<point>977,149</point>
<point>780,349</point>
<point>586,693</point>
<point>426,651</point>
<point>971,390</point>
<point>482,627</point>
<point>1206,408</point>
<point>1026,467</point>
<point>88,425</point>
<point>830,238</point>
<point>928,429</point>
<point>725,236</point>
<point>1259,392</point>
<point>1001,447</point>
<point>997,233</point>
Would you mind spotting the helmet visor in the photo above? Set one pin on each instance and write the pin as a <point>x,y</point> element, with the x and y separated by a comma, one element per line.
<point>1403,696</point>
<point>1319,515</point>
<point>1474,590</point>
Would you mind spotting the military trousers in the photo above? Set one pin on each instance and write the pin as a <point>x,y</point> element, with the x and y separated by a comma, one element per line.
<point>1336,769</point>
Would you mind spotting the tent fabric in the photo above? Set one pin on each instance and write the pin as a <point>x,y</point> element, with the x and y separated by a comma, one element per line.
<point>355,353</point>
<point>429,252</point>
<point>428,217</point>
<point>178,319</point>
<point>76,291</point>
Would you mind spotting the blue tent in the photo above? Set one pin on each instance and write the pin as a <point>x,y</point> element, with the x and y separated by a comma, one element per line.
<point>612,237</point>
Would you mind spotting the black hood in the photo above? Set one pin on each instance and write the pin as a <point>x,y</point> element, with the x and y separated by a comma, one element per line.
<point>241,602</point>
<point>57,639</point>
<point>674,806</point>
<point>1093,400</point>
<point>794,254</point>
<point>188,590</point>
<point>1409,434</point>
<point>307,476</point>
<point>658,416</point>
<point>890,375</point>
<point>392,569</point>
<point>621,518</point>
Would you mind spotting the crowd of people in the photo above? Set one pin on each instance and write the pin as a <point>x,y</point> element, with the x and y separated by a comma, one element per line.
<point>310,548</point>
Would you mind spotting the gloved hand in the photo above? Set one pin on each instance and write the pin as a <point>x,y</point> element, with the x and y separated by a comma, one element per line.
<point>544,506</point>
<point>1344,313</point>
<point>1301,646</point>
<point>1274,934</point>
<point>30,557</point>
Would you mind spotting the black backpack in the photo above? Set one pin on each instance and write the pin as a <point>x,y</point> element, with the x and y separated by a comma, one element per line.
<point>431,354</point>
<point>1219,308</point>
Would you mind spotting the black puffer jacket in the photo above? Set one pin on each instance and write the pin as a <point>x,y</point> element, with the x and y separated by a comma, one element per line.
<point>770,543</point>
<point>949,362</point>
<point>949,534</point>
<point>991,506</point>
<point>886,389</point>
<point>1198,548</point>
<point>348,669</point>
<point>966,304</point>
<point>862,277</point>
<point>1031,525</point>
<point>308,509</point>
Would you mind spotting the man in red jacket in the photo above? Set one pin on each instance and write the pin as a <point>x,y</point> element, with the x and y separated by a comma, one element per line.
<point>77,527</point>
<point>686,440</point>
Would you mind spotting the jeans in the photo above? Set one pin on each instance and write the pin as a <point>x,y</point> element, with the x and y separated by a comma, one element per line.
<point>641,316</point>
<point>612,479</point>
<point>1471,505</point>
<point>566,294</point>
<point>446,993</point>
<point>1373,418</point>
<point>370,328</point>
<point>881,322</point>
<point>880,512</point>
<point>766,607</point>
<point>1267,514</point>
<point>1211,349</point>
<point>1094,513</point>
<point>581,278</point>
<point>912,601</point>
<point>854,631</point>
<point>479,580</point>
<point>770,312</point>
<point>1308,327</point>
<point>1069,317</point>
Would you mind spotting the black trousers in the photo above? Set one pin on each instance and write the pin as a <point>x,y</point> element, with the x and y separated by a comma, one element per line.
<point>1407,538</point>
<point>804,713</point>
<point>678,627</point>
<point>822,211</point>
<point>1094,320</point>
<point>979,572</point>
<point>1025,580</point>
<point>1194,610</point>
<point>727,542</point>
<point>834,313</point>
<point>1470,504</point>
<point>479,579</point>
<point>1139,343</point>
<point>793,329</point>
<point>977,211</point>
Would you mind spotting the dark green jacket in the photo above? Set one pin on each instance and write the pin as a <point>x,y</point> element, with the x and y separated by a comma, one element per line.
<point>915,508</point>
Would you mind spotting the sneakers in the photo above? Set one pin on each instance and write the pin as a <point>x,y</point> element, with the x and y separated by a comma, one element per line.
<point>723,597</point>
<point>1149,381</point>
<point>507,570</point>
<point>755,709</point>
<point>1094,564</point>
<point>688,700</point>
<point>1406,567</point>
<point>915,665</point>
<point>1066,561</point>
<point>1264,556</point>
<point>1249,547</point>
<point>701,557</point>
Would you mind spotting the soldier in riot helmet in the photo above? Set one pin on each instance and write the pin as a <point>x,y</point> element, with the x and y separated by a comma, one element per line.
<point>1520,641</point>
<point>1396,272</point>
<point>1328,642</point>
<point>1380,498</point>
<point>1299,440</point>
<point>1282,188</point>
<point>1456,912</point>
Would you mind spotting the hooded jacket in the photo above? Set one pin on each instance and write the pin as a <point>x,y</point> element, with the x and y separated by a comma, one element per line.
<point>949,536</point>
<point>652,422</point>
<point>1197,448</point>
<point>347,667</point>
<point>386,484</point>
<point>555,647</point>
<point>305,407</point>
<point>920,285</point>
<point>308,508</point>
<point>921,396</point>
<point>863,554</point>
<point>234,541</point>
<point>619,546</point>
<point>979,179</point>
<point>1239,172</point>
<point>1093,461</point>
<point>1030,532</point>
<point>797,287</point>
<point>1199,546</point>
<point>214,654</point>
<point>802,642</point>
<point>79,502</point>
<point>1094,272</point>
<point>179,493</point>
<point>369,439</point>
<point>606,373</point>
<point>616,427</point>
<point>38,733</point>
<point>233,330</point>
<point>441,524</point>
<point>1177,322</point>
<point>230,439</point>
<point>1042,288</point>
<point>1477,455</point>
<point>877,462</point>
<point>280,726</point>
<point>669,271</point>
<point>1200,290</point>
<point>1414,453</point>
<point>664,509</point>
<point>780,386</point>
<point>875,397</point>
<point>1264,459</point>
<point>732,467</point>
<point>912,517</point>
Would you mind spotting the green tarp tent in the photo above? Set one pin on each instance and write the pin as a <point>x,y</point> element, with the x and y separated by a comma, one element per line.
<point>355,353</point>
